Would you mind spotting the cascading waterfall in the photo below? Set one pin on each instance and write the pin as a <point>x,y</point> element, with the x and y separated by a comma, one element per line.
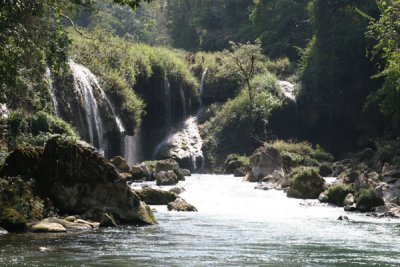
<point>289,91</point>
<point>201,89</point>
<point>183,99</point>
<point>167,99</point>
<point>52,91</point>
<point>83,81</point>
<point>133,147</point>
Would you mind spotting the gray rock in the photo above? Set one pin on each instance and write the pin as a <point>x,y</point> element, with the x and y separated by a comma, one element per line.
<point>264,162</point>
<point>177,190</point>
<point>167,165</point>
<point>181,205</point>
<point>323,198</point>
<point>184,172</point>
<point>107,220</point>
<point>350,208</point>
<point>48,227</point>
<point>121,164</point>
<point>153,196</point>
<point>166,178</point>
<point>3,231</point>
<point>349,200</point>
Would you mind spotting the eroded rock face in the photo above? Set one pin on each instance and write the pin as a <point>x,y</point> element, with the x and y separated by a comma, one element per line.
<point>22,162</point>
<point>78,179</point>
<point>166,178</point>
<point>264,162</point>
<point>121,164</point>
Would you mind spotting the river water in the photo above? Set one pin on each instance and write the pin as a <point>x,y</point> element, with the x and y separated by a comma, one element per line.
<point>235,226</point>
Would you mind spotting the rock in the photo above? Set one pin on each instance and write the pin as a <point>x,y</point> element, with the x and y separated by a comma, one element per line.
<point>387,210</point>
<point>48,227</point>
<point>70,218</point>
<point>141,172</point>
<point>180,205</point>
<point>79,179</point>
<point>12,220</point>
<point>349,200</point>
<point>91,224</point>
<point>350,208</point>
<point>323,198</point>
<point>166,178</point>
<point>153,196</point>
<point>390,171</point>
<point>305,183</point>
<point>167,165</point>
<point>242,171</point>
<point>389,192</point>
<point>184,172</point>
<point>234,162</point>
<point>121,164</point>
<point>3,231</point>
<point>264,162</point>
<point>22,162</point>
<point>71,226</point>
<point>107,221</point>
<point>177,190</point>
<point>341,218</point>
<point>374,176</point>
<point>126,176</point>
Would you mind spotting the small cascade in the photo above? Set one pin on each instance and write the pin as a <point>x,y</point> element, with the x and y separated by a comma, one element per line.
<point>52,91</point>
<point>3,111</point>
<point>116,119</point>
<point>201,89</point>
<point>167,99</point>
<point>288,90</point>
<point>184,145</point>
<point>183,99</point>
<point>84,80</point>
<point>133,148</point>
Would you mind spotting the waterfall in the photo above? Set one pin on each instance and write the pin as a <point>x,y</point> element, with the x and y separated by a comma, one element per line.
<point>201,89</point>
<point>83,81</point>
<point>52,91</point>
<point>288,90</point>
<point>167,99</point>
<point>116,119</point>
<point>133,147</point>
<point>183,101</point>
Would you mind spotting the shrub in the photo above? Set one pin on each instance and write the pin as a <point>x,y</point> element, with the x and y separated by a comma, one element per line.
<point>306,183</point>
<point>337,193</point>
<point>367,199</point>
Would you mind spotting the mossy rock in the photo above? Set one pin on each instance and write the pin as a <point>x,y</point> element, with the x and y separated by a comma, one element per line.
<point>367,199</point>
<point>12,220</point>
<point>23,161</point>
<point>153,196</point>
<point>325,169</point>
<point>337,193</point>
<point>305,183</point>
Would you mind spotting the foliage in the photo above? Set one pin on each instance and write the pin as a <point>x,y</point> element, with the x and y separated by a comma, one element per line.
<point>22,129</point>
<point>337,193</point>
<point>282,26</point>
<point>367,199</point>
<point>221,131</point>
<point>305,182</point>
<point>120,64</point>
<point>385,31</point>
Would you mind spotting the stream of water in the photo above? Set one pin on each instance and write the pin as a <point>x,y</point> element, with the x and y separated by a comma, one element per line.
<point>235,226</point>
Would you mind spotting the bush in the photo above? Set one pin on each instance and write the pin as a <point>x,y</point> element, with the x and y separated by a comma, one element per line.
<point>306,183</point>
<point>367,200</point>
<point>337,193</point>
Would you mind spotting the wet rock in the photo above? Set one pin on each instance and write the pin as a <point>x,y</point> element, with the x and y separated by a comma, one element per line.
<point>156,196</point>
<point>141,173</point>
<point>47,227</point>
<point>177,190</point>
<point>242,171</point>
<point>121,164</point>
<point>166,165</point>
<point>184,172</point>
<point>389,192</point>
<point>12,220</point>
<point>234,162</point>
<point>126,176</point>
<point>323,198</point>
<point>70,218</point>
<point>181,205</point>
<point>387,210</point>
<point>349,200</point>
<point>107,221</point>
<point>351,208</point>
<point>305,183</point>
<point>77,225</point>
<point>3,231</point>
<point>341,218</point>
<point>166,178</point>
<point>264,162</point>
<point>78,179</point>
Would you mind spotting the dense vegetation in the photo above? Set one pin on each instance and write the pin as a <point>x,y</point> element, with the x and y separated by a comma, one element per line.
<point>342,55</point>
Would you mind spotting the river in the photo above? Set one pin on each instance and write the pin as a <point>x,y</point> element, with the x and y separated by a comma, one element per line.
<point>235,226</point>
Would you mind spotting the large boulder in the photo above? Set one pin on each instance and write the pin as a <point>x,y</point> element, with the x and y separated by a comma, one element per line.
<point>78,179</point>
<point>156,196</point>
<point>234,162</point>
<point>264,162</point>
<point>167,165</point>
<point>166,178</point>
<point>180,205</point>
<point>48,227</point>
<point>305,183</point>
<point>141,172</point>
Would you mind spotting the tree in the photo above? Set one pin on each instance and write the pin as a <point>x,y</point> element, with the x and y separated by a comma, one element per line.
<point>247,61</point>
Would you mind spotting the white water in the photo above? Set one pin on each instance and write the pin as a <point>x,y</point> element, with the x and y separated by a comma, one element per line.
<point>84,80</point>
<point>235,226</point>
<point>3,111</point>
<point>288,89</point>
<point>52,91</point>
<point>201,89</point>
<point>133,148</point>
<point>167,99</point>
<point>183,99</point>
